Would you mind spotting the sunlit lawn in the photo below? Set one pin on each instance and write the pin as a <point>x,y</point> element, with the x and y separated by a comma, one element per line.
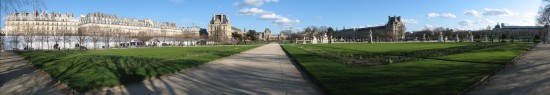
<point>447,74</point>
<point>85,70</point>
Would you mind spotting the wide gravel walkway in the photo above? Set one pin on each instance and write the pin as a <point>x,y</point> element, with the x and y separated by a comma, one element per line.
<point>265,70</point>
<point>528,75</point>
<point>17,77</point>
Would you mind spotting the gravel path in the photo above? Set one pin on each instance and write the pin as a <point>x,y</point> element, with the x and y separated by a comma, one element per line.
<point>265,70</point>
<point>17,77</point>
<point>528,75</point>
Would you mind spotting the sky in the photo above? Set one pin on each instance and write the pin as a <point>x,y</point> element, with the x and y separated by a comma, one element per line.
<point>279,15</point>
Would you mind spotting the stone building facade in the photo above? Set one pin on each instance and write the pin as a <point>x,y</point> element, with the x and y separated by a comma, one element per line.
<point>110,23</point>
<point>219,29</point>
<point>57,26</point>
<point>520,32</point>
<point>40,23</point>
<point>266,35</point>
<point>393,30</point>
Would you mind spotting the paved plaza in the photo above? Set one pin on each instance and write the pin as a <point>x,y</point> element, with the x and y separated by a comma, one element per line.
<point>528,75</point>
<point>260,71</point>
<point>17,77</point>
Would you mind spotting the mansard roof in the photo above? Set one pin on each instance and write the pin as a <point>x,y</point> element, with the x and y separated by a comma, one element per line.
<point>221,18</point>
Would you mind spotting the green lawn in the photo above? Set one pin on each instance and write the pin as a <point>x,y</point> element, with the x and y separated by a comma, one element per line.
<point>447,74</point>
<point>85,70</point>
<point>387,47</point>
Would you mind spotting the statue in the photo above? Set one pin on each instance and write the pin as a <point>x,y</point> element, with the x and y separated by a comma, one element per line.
<point>471,36</point>
<point>304,40</point>
<point>370,36</point>
<point>486,38</point>
<point>440,39</point>
<point>325,38</point>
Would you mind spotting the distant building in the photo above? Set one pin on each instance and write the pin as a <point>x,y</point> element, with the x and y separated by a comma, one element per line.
<point>266,35</point>
<point>67,31</point>
<point>520,32</point>
<point>394,30</point>
<point>40,23</point>
<point>220,29</point>
<point>110,23</point>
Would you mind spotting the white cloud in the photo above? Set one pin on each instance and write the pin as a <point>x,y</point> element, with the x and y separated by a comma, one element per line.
<point>471,24</point>
<point>256,3</point>
<point>442,15</point>
<point>271,16</point>
<point>177,1</point>
<point>466,22</point>
<point>471,13</point>
<point>285,22</point>
<point>268,15</point>
<point>410,21</point>
<point>448,15</point>
<point>428,26</point>
<point>433,15</point>
<point>252,11</point>
<point>497,12</point>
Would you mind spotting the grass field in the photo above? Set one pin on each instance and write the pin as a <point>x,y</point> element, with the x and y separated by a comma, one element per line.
<point>426,68</point>
<point>85,70</point>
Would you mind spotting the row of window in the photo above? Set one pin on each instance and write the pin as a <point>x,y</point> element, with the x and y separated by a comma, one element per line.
<point>37,19</point>
<point>40,23</point>
<point>46,28</point>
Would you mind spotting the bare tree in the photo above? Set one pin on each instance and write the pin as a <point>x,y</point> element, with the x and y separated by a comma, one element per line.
<point>58,37</point>
<point>15,38</point>
<point>95,35</point>
<point>81,37</point>
<point>47,36</point>
<point>107,37</point>
<point>164,36</point>
<point>118,37</point>
<point>29,37</point>
<point>143,36</point>
<point>7,6</point>
<point>544,13</point>
<point>127,37</point>
<point>14,5</point>
<point>67,37</point>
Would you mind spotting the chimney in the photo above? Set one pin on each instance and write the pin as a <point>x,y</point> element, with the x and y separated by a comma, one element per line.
<point>399,18</point>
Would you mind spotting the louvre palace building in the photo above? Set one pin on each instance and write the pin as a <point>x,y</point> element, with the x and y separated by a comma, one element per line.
<point>42,30</point>
<point>394,30</point>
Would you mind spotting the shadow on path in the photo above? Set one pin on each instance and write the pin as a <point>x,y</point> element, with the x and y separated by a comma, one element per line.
<point>260,71</point>
<point>18,78</point>
<point>529,75</point>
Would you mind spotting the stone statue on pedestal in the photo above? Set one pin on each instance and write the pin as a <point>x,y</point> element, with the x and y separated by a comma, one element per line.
<point>471,36</point>
<point>304,40</point>
<point>486,38</point>
<point>325,38</point>
<point>440,38</point>
<point>370,36</point>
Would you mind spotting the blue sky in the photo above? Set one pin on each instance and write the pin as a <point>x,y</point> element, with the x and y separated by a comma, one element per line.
<point>278,15</point>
